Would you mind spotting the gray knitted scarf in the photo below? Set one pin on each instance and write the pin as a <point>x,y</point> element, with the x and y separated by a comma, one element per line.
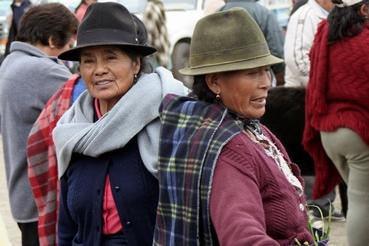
<point>136,113</point>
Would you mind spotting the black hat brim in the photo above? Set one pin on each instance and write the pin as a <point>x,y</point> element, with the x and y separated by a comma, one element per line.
<point>74,53</point>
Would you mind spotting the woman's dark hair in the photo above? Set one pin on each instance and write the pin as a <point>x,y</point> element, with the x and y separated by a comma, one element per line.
<point>43,21</point>
<point>144,68</point>
<point>201,89</point>
<point>345,22</point>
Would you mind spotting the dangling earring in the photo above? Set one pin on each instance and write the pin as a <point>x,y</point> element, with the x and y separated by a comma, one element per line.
<point>135,78</point>
<point>217,98</point>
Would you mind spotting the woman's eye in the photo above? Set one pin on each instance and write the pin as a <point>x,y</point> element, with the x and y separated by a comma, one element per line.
<point>86,61</point>
<point>252,72</point>
<point>112,57</point>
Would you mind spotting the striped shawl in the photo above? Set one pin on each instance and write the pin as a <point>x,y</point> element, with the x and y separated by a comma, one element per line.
<point>42,165</point>
<point>192,136</point>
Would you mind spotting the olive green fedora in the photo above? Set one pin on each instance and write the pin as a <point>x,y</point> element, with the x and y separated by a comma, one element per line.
<point>227,41</point>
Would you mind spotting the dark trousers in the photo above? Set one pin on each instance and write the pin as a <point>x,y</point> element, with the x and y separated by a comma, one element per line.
<point>29,234</point>
<point>117,239</point>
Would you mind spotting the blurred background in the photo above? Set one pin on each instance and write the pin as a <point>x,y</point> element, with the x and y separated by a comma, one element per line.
<point>181,15</point>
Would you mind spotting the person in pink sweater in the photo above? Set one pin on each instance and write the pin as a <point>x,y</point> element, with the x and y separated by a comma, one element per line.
<point>82,7</point>
<point>224,177</point>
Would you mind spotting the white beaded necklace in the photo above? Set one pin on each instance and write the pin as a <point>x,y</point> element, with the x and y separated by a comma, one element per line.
<point>272,151</point>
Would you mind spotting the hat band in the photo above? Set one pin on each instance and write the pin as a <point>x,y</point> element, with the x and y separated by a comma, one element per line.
<point>106,36</point>
<point>224,56</point>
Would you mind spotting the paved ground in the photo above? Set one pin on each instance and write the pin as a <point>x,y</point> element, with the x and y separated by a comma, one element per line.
<point>11,232</point>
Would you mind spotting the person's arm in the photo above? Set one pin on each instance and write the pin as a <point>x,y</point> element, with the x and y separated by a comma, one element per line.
<point>9,17</point>
<point>303,31</point>
<point>67,228</point>
<point>275,38</point>
<point>236,205</point>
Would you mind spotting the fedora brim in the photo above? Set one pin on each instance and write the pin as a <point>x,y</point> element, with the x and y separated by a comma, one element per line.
<point>232,66</point>
<point>74,53</point>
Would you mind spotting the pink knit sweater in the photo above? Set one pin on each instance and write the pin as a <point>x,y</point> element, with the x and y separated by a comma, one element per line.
<point>252,203</point>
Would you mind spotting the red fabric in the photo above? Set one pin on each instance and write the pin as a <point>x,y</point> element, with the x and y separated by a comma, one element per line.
<point>42,162</point>
<point>80,13</point>
<point>111,220</point>
<point>337,96</point>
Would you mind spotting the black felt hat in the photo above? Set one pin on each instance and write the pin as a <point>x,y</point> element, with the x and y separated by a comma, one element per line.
<point>109,23</point>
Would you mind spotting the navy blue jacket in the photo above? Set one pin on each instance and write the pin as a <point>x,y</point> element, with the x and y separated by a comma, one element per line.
<point>135,193</point>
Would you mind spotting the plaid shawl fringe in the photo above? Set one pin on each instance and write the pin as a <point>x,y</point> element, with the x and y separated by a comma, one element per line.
<point>42,163</point>
<point>193,135</point>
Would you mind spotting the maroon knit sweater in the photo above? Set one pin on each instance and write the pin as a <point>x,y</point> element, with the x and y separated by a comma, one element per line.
<point>251,202</point>
<point>337,96</point>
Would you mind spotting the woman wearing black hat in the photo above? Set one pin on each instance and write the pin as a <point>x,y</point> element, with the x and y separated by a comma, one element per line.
<point>107,142</point>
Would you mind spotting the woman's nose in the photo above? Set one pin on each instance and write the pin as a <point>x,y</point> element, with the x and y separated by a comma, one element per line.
<point>265,80</point>
<point>100,68</point>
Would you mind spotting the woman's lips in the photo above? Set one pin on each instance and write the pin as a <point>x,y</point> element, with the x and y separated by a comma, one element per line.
<point>259,102</point>
<point>102,82</point>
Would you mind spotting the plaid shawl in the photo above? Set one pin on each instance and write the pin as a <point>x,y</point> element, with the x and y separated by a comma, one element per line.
<point>42,164</point>
<point>193,134</point>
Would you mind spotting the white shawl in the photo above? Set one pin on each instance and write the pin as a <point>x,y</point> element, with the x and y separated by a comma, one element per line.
<point>136,113</point>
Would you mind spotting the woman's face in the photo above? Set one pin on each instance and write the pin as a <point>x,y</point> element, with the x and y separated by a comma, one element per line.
<point>108,73</point>
<point>243,92</point>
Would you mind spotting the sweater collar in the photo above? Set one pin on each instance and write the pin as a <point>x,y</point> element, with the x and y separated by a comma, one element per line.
<point>29,49</point>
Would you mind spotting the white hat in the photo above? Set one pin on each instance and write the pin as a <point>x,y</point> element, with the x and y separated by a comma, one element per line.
<point>347,3</point>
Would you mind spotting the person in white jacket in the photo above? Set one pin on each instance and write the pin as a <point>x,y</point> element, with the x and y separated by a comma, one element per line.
<point>299,38</point>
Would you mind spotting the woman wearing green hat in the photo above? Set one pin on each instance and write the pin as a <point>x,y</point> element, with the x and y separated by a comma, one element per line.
<point>225,178</point>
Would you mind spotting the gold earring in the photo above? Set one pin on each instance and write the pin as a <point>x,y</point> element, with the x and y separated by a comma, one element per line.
<point>217,97</point>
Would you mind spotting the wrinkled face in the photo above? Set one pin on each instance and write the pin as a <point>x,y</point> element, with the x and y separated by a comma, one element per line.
<point>108,72</point>
<point>243,92</point>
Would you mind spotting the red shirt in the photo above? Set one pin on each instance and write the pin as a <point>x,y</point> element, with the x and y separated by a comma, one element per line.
<point>111,220</point>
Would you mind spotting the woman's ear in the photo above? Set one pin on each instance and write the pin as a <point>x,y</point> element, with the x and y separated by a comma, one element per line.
<point>213,82</point>
<point>51,43</point>
<point>136,65</point>
<point>364,11</point>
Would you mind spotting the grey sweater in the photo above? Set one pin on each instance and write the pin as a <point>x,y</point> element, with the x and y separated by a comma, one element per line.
<point>28,78</point>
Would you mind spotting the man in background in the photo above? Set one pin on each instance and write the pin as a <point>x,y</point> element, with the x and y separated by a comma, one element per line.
<point>18,8</point>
